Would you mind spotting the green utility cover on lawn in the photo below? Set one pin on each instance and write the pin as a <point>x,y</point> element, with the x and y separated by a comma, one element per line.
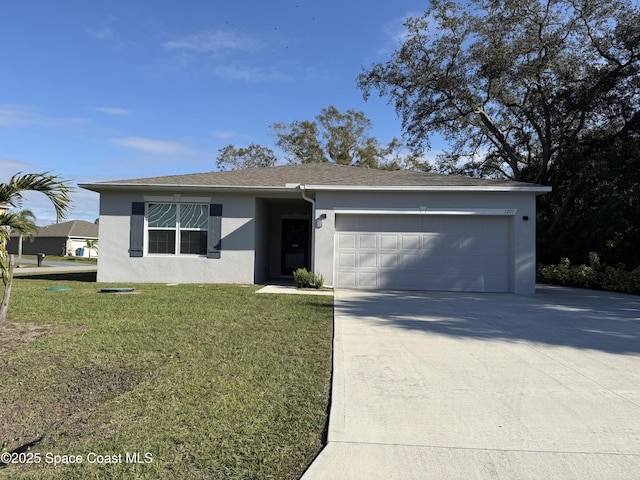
<point>58,288</point>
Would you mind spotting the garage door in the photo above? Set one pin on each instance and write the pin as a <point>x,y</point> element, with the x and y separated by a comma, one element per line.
<point>423,252</point>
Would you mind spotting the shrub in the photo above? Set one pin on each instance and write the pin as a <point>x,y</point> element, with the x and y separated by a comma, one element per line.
<point>595,275</point>
<point>306,279</point>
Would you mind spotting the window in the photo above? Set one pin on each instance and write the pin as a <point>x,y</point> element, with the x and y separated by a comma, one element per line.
<point>177,227</point>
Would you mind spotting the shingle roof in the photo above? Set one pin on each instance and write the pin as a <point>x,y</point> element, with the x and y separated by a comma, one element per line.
<point>74,228</point>
<point>311,174</point>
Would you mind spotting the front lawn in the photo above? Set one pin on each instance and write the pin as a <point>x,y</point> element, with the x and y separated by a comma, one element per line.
<point>202,381</point>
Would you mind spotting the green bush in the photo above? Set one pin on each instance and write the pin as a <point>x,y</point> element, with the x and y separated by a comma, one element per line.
<point>595,275</point>
<point>305,279</point>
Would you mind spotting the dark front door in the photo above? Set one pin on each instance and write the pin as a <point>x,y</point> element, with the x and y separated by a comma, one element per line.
<point>295,245</point>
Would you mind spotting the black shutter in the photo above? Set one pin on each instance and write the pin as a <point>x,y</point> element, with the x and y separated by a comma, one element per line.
<point>214,237</point>
<point>136,233</point>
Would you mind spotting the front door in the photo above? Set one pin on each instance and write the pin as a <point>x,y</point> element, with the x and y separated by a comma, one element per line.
<point>295,245</point>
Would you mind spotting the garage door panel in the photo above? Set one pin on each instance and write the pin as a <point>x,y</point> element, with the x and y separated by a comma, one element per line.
<point>368,280</point>
<point>347,279</point>
<point>475,264</point>
<point>456,264</point>
<point>367,240</point>
<point>410,242</point>
<point>347,240</point>
<point>389,261</point>
<point>410,261</point>
<point>389,242</point>
<point>432,242</point>
<point>494,264</point>
<point>455,253</point>
<point>368,260</point>
<point>346,260</point>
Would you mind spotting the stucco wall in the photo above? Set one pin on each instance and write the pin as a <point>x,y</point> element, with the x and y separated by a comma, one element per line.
<point>261,241</point>
<point>236,264</point>
<point>522,233</point>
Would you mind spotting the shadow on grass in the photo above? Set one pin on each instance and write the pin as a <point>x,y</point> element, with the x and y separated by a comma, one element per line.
<point>89,277</point>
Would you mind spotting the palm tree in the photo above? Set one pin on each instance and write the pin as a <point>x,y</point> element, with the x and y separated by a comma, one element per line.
<point>28,228</point>
<point>91,245</point>
<point>11,195</point>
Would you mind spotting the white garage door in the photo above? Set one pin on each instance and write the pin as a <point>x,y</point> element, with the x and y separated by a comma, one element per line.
<point>423,252</point>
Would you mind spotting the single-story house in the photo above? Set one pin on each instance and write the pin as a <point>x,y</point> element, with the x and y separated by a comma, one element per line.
<point>66,238</point>
<point>358,227</point>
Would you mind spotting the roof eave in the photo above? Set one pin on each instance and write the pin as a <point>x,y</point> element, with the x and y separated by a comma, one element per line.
<point>99,187</point>
<point>435,188</point>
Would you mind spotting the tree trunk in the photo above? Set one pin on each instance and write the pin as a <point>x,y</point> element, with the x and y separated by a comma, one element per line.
<point>20,246</point>
<point>7,291</point>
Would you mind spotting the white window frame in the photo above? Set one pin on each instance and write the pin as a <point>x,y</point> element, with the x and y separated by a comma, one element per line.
<point>177,228</point>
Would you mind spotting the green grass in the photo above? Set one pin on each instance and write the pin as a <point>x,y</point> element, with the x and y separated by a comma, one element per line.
<point>213,381</point>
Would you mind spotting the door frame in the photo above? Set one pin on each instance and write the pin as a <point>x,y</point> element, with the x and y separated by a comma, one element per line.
<point>307,245</point>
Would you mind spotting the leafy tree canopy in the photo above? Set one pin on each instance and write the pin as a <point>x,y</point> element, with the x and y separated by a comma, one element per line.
<point>515,85</point>
<point>595,205</point>
<point>333,137</point>
<point>232,158</point>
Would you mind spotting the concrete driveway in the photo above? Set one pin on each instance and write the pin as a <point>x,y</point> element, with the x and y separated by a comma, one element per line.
<point>484,386</point>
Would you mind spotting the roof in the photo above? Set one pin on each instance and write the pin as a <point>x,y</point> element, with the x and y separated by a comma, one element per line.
<point>74,228</point>
<point>317,176</point>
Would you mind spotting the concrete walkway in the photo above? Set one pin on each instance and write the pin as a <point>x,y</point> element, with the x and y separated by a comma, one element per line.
<point>484,386</point>
<point>46,270</point>
<point>291,289</point>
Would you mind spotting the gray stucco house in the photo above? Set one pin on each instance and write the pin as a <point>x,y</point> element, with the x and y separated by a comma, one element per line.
<point>359,228</point>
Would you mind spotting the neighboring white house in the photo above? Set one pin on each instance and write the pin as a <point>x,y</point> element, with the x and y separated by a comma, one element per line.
<point>66,238</point>
<point>358,227</point>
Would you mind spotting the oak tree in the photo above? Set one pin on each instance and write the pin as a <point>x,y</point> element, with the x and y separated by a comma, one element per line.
<point>232,158</point>
<point>514,85</point>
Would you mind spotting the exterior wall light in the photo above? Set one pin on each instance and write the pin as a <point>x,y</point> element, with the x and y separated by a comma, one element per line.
<point>320,219</point>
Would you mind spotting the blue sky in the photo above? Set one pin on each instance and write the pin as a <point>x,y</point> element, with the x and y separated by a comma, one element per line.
<point>97,91</point>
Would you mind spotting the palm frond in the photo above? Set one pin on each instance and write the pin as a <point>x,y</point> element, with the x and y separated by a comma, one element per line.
<point>15,222</point>
<point>52,186</point>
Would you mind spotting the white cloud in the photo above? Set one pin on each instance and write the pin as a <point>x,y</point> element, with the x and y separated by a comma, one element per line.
<point>251,74</point>
<point>215,42</point>
<point>396,31</point>
<point>151,145</point>
<point>113,111</point>
<point>223,134</point>
<point>86,205</point>
<point>106,35</point>
<point>9,167</point>
<point>22,115</point>
<point>17,115</point>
